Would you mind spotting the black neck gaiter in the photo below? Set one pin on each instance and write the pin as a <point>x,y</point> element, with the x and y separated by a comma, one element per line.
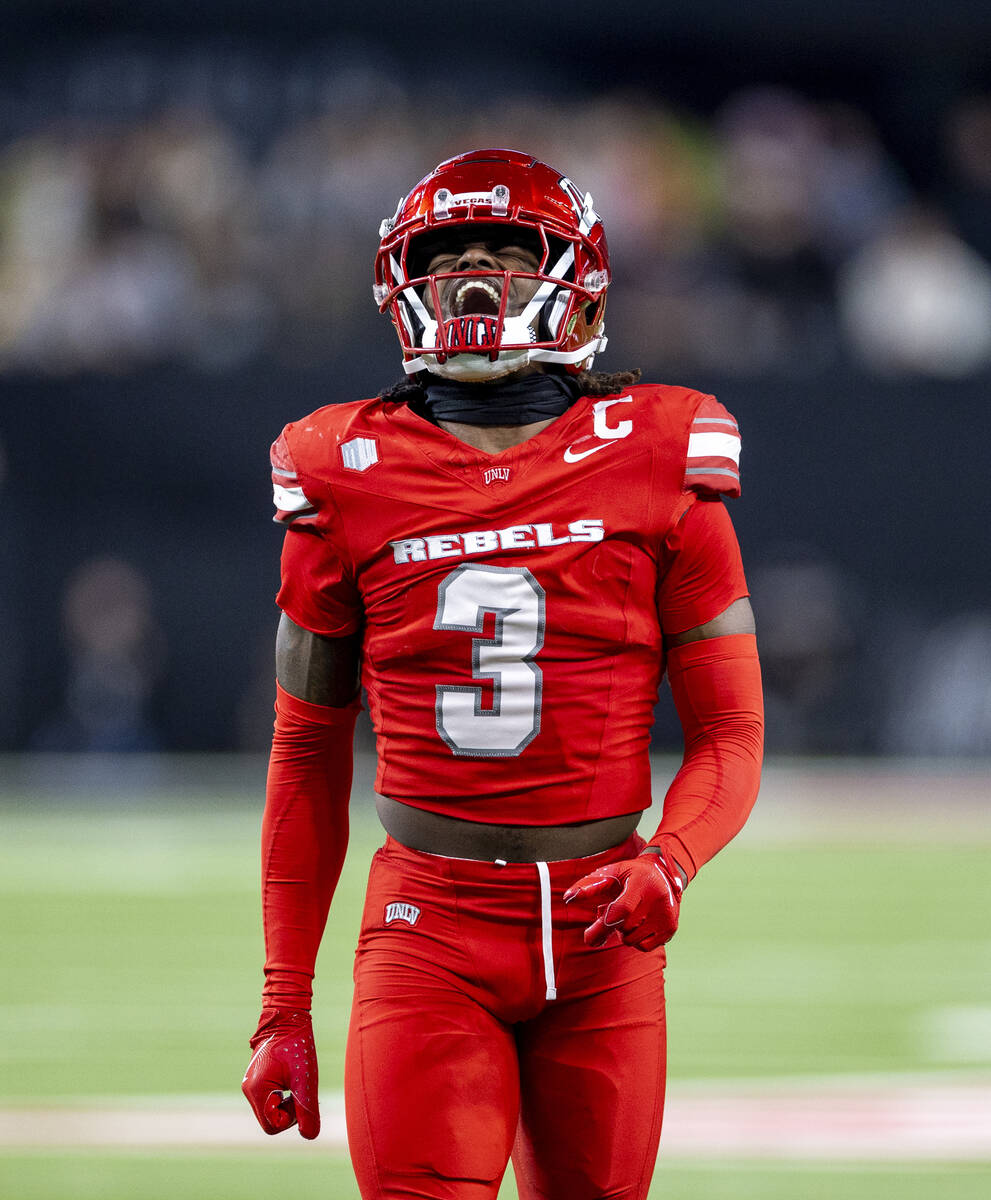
<point>518,402</point>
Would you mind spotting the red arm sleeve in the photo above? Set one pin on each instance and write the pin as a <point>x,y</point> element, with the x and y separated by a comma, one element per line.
<point>304,839</point>
<point>716,686</point>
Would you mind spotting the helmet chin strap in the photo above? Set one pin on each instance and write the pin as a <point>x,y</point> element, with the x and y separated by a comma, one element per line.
<point>477,368</point>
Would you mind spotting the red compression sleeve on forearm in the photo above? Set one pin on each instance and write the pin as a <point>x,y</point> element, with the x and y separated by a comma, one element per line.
<point>717,691</point>
<point>304,839</point>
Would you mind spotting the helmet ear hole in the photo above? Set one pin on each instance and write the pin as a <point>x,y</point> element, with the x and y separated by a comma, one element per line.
<point>591,311</point>
<point>419,252</point>
<point>556,248</point>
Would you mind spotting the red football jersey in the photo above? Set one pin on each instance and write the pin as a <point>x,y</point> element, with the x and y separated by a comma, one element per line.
<point>511,605</point>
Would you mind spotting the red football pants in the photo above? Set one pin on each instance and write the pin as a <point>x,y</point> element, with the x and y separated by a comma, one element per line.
<point>456,1057</point>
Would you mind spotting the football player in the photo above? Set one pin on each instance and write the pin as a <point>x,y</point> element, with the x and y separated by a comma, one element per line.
<point>508,550</point>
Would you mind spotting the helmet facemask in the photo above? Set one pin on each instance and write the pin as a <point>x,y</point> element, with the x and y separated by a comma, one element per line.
<point>477,308</point>
<point>492,322</point>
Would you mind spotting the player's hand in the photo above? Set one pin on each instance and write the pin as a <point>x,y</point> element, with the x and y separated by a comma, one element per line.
<point>281,1080</point>
<point>639,900</point>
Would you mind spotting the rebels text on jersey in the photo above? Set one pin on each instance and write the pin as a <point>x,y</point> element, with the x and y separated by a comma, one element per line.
<point>512,643</point>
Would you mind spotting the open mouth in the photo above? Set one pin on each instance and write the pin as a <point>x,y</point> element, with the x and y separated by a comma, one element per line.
<point>476,296</point>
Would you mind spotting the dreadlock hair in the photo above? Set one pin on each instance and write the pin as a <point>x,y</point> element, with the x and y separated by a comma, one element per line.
<point>604,383</point>
<point>410,389</point>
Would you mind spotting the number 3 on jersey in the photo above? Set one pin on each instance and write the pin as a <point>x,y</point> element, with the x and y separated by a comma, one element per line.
<point>505,659</point>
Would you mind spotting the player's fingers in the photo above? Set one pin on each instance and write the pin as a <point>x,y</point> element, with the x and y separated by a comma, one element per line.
<point>626,924</point>
<point>258,1110</point>
<point>590,885</point>
<point>654,931</point>
<point>259,1095</point>
<point>609,920</point>
<point>261,1079</point>
<point>280,1112</point>
<point>308,1116</point>
<point>597,933</point>
<point>644,941</point>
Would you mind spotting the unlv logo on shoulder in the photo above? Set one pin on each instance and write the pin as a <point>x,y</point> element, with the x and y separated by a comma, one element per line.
<point>359,453</point>
<point>400,910</point>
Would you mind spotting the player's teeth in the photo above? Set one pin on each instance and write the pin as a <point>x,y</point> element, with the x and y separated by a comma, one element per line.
<point>485,287</point>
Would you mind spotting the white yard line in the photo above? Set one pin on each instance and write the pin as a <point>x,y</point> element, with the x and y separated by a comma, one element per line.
<point>908,1118</point>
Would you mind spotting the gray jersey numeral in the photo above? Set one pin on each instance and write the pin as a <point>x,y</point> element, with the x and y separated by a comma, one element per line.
<point>512,720</point>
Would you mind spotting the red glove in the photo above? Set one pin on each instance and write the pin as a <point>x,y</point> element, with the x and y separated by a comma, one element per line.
<point>281,1080</point>
<point>642,897</point>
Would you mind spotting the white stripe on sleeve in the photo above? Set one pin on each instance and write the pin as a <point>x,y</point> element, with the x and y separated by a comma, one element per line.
<point>289,499</point>
<point>714,445</point>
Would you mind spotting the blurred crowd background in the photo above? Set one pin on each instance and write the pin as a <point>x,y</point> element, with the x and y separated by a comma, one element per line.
<point>188,219</point>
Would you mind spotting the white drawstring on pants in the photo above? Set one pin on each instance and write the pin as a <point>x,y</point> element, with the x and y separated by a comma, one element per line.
<point>545,930</point>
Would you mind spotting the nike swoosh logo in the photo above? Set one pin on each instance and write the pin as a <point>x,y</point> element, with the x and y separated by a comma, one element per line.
<point>573,456</point>
<point>271,1038</point>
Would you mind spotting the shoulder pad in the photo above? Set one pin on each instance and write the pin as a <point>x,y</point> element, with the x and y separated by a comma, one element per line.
<point>291,503</point>
<point>307,450</point>
<point>712,465</point>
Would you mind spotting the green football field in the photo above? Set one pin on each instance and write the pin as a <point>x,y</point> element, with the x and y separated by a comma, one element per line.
<point>830,957</point>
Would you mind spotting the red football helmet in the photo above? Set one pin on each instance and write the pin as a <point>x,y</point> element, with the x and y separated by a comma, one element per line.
<point>553,313</point>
